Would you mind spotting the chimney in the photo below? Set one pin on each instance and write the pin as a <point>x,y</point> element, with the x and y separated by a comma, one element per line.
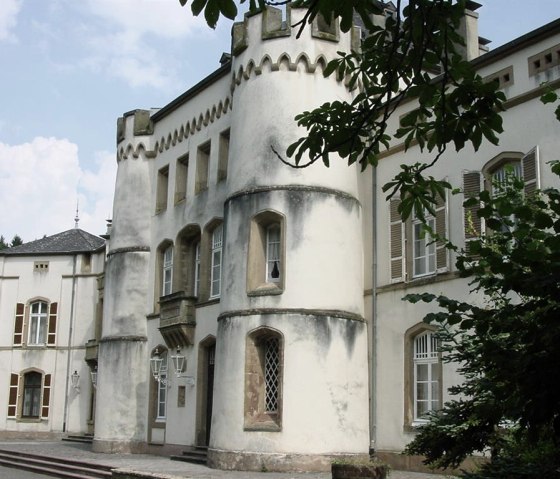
<point>468,29</point>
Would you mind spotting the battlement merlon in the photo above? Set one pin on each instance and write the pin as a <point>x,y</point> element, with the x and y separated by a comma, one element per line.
<point>268,33</point>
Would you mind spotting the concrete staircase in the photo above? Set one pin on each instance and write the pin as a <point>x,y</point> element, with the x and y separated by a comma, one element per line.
<point>82,438</point>
<point>54,466</point>
<point>195,455</point>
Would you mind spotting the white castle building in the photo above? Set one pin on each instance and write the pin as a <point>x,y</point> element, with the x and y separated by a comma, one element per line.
<point>255,309</point>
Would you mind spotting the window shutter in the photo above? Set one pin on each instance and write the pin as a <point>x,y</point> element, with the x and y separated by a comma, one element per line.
<point>441,230</point>
<point>46,396</point>
<point>18,327</point>
<point>51,336</point>
<point>397,242</point>
<point>473,226</point>
<point>530,168</point>
<point>12,401</point>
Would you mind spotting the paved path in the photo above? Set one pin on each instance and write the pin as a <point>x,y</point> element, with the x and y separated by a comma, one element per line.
<point>162,466</point>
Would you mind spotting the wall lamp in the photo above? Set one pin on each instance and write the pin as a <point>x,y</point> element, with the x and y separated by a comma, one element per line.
<point>159,371</point>
<point>75,380</point>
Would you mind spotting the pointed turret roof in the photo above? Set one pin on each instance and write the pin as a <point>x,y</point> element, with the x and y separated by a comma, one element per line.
<point>72,241</point>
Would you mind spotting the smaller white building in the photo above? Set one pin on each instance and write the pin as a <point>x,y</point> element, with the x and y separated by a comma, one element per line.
<point>50,292</point>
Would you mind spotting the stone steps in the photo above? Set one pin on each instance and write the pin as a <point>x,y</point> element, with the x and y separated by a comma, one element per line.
<point>194,455</point>
<point>54,466</point>
<point>81,438</point>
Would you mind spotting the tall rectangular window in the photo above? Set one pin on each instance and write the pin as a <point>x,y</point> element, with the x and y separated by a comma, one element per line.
<point>162,391</point>
<point>31,394</point>
<point>216,267</point>
<point>273,253</point>
<point>197,269</point>
<point>202,165</point>
<point>181,177</point>
<point>38,320</point>
<point>162,189</point>
<point>271,374</point>
<point>426,375</point>
<point>423,248</point>
<point>223,155</point>
<point>167,273</point>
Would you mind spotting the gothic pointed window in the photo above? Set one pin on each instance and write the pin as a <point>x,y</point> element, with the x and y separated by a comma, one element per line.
<point>266,262</point>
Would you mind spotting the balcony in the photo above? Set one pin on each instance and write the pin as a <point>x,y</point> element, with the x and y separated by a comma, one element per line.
<point>177,319</point>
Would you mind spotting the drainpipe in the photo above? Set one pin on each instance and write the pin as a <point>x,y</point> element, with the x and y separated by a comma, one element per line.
<point>70,331</point>
<point>373,332</point>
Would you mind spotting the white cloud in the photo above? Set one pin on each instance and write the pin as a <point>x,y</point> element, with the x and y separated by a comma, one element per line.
<point>133,44</point>
<point>9,10</point>
<point>163,18</point>
<point>40,184</point>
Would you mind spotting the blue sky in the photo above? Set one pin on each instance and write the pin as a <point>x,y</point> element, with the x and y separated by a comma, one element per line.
<point>70,68</point>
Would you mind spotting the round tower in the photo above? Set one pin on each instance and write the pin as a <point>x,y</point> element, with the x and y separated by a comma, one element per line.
<point>123,366</point>
<point>291,384</point>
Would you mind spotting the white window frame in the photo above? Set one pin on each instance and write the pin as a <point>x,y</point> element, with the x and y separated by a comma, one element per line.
<point>32,396</point>
<point>161,400</point>
<point>38,324</point>
<point>216,263</point>
<point>423,248</point>
<point>273,252</point>
<point>167,271</point>
<point>197,269</point>
<point>426,355</point>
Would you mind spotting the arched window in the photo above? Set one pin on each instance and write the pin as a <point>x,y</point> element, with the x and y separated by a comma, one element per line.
<point>263,380</point>
<point>423,374</point>
<point>38,321</point>
<point>266,259</point>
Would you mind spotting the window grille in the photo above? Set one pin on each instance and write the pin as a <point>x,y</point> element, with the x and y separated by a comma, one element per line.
<point>272,374</point>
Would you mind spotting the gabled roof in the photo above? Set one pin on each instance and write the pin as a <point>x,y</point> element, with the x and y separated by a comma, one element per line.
<point>67,242</point>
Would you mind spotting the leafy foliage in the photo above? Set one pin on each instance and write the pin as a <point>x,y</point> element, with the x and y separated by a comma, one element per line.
<point>415,54</point>
<point>506,346</point>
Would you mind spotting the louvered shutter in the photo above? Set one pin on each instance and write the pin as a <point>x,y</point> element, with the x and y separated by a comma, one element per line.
<point>397,242</point>
<point>473,226</point>
<point>51,336</point>
<point>13,395</point>
<point>441,230</point>
<point>46,397</point>
<point>18,326</point>
<point>530,168</point>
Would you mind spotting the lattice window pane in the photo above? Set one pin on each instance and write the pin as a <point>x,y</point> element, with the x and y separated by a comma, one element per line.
<point>272,374</point>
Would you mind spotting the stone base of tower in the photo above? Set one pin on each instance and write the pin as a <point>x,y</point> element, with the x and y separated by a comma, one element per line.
<point>119,447</point>
<point>275,462</point>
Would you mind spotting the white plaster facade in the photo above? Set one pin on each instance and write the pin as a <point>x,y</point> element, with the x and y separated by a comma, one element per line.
<point>344,332</point>
<point>199,178</point>
<point>63,274</point>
